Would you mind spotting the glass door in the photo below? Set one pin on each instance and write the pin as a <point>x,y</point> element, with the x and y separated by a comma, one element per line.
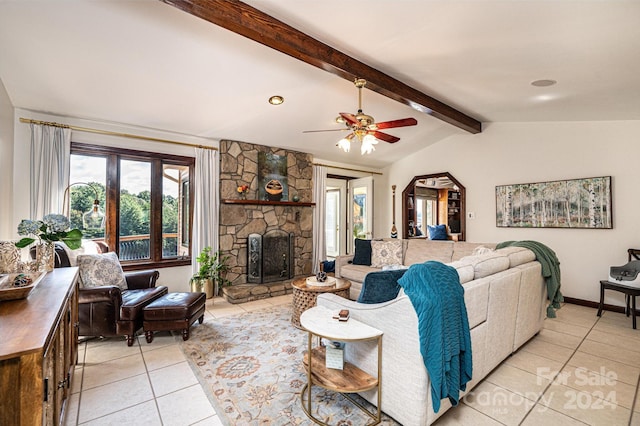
<point>335,217</point>
<point>361,210</point>
<point>332,225</point>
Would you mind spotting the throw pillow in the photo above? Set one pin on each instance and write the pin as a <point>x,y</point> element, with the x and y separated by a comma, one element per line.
<point>362,255</point>
<point>87,247</point>
<point>379,287</point>
<point>438,232</point>
<point>481,250</point>
<point>98,270</point>
<point>329,265</point>
<point>386,253</point>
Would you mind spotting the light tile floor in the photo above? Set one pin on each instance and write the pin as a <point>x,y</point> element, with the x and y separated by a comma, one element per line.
<point>580,369</point>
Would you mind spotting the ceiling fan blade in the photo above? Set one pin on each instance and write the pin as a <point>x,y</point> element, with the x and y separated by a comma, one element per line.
<point>328,130</point>
<point>385,137</point>
<point>403,122</point>
<point>350,118</point>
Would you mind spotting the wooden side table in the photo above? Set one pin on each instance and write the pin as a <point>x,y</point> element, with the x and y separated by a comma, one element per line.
<point>305,297</point>
<point>319,321</point>
<point>629,292</point>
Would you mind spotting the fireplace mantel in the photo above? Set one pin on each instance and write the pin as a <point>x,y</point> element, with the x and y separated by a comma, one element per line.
<point>266,202</point>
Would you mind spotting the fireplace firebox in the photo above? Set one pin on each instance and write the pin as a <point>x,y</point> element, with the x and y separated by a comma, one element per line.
<point>270,257</point>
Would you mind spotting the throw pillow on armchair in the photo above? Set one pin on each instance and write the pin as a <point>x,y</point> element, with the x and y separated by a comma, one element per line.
<point>97,270</point>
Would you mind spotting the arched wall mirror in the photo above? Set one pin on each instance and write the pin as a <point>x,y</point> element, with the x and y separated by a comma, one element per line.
<point>435,199</point>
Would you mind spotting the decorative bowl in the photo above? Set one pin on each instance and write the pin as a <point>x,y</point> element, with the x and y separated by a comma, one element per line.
<point>313,282</point>
<point>10,291</point>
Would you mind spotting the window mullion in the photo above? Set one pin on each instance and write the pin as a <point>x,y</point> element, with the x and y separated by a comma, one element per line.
<point>112,204</point>
<point>155,217</point>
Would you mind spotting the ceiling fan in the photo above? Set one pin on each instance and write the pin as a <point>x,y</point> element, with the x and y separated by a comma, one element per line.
<point>364,128</point>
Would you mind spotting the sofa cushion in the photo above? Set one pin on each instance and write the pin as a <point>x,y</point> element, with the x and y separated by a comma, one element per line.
<point>487,264</point>
<point>517,255</point>
<point>437,232</point>
<point>356,272</point>
<point>462,249</point>
<point>421,250</point>
<point>386,253</point>
<point>98,270</point>
<point>362,255</point>
<point>379,287</point>
<point>476,299</point>
<point>465,270</point>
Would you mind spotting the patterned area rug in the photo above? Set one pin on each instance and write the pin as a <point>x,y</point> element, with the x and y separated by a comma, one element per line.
<point>251,366</point>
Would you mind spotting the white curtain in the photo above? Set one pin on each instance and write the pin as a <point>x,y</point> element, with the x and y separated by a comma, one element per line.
<point>319,195</point>
<point>50,156</point>
<point>206,205</point>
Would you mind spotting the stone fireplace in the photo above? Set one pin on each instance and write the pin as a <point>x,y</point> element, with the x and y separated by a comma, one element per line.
<point>240,218</point>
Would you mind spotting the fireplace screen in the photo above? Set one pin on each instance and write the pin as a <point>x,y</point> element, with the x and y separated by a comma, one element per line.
<point>270,257</point>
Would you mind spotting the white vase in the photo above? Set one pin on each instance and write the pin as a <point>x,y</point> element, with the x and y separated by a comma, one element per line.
<point>45,256</point>
<point>9,257</point>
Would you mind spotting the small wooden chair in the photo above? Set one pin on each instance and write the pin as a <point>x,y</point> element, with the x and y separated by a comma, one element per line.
<point>630,293</point>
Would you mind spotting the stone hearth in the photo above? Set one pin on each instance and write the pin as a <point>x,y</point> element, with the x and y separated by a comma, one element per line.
<point>241,293</point>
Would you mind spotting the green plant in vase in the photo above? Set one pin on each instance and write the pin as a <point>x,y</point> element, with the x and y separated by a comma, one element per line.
<point>212,271</point>
<point>52,228</point>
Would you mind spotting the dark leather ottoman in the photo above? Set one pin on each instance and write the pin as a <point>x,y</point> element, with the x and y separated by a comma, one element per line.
<point>173,311</point>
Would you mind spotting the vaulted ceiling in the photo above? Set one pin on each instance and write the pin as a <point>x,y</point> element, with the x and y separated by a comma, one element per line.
<point>149,64</point>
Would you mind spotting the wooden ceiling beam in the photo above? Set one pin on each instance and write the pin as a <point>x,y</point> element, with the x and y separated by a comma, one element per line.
<point>256,25</point>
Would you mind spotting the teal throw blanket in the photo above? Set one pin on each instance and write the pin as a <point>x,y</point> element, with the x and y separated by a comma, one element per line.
<point>550,270</point>
<point>445,342</point>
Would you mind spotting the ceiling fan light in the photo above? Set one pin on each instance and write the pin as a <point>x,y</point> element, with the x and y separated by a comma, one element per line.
<point>344,144</point>
<point>367,146</point>
<point>370,139</point>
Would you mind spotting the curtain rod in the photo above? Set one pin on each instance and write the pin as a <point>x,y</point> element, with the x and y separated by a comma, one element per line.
<point>110,133</point>
<point>346,168</point>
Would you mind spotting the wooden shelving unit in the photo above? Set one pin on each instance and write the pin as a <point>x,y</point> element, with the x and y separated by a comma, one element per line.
<point>350,379</point>
<point>38,354</point>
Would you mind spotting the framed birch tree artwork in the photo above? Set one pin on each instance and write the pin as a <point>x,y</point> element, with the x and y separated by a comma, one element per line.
<point>576,203</point>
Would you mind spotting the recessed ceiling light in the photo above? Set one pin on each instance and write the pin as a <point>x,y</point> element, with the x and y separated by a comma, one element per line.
<point>276,100</point>
<point>543,83</point>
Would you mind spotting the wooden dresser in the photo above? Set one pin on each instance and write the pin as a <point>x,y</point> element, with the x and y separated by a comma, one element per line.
<point>38,351</point>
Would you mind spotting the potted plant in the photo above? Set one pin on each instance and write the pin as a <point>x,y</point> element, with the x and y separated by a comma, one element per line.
<point>212,272</point>
<point>52,228</point>
<point>219,271</point>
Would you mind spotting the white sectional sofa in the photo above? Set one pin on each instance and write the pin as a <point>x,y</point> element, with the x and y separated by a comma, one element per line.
<point>505,296</point>
<point>413,251</point>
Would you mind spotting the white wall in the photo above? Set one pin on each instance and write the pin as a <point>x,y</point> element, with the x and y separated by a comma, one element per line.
<point>509,153</point>
<point>6,163</point>
<point>177,278</point>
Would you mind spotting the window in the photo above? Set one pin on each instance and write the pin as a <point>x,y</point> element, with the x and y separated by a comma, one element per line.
<point>146,198</point>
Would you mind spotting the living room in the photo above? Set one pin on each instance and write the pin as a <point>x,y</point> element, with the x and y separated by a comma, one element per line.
<point>524,146</point>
